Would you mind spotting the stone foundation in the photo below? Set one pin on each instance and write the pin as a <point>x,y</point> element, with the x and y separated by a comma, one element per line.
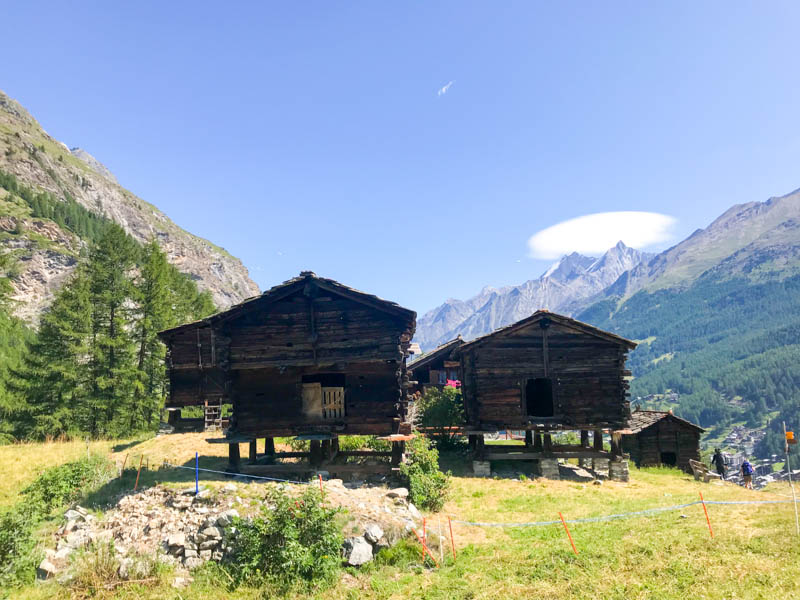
<point>618,470</point>
<point>482,468</point>
<point>585,463</point>
<point>600,464</point>
<point>548,467</point>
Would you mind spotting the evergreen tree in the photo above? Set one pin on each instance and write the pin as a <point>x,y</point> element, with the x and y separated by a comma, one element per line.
<point>54,374</point>
<point>155,314</point>
<point>113,352</point>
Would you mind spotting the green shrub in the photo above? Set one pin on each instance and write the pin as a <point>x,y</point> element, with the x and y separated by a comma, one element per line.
<point>441,413</point>
<point>427,485</point>
<point>66,483</point>
<point>54,488</point>
<point>17,543</point>
<point>297,542</point>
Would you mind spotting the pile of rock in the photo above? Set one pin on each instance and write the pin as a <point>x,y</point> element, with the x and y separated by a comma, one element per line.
<point>186,530</point>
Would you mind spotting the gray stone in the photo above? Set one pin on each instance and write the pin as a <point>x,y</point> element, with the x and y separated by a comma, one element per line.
<point>77,539</point>
<point>213,533</point>
<point>598,482</point>
<point>373,533</point>
<point>192,562</point>
<point>125,566</point>
<point>600,464</point>
<point>208,544</point>
<point>63,553</point>
<point>414,512</point>
<point>176,539</point>
<point>397,493</point>
<point>357,551</point>
<point>47,569</point>
<point>381,544</point>
<point>205,554</point>
<point>217,555</point>
<point>73,515</point>
<point>189,553</point>
<point>481,468</point>
<point>548,467</point>
<point>229,487</point>
<point>226,518</point>
<point>618,470</point>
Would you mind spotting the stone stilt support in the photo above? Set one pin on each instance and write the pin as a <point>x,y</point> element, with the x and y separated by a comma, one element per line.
<point>585,463</point>
<point>549,468</point>
<point>618,470</point>
<point>600,464</point>
<point>482,468</point>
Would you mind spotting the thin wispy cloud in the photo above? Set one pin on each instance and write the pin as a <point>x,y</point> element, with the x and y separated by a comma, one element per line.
<point>443,90</point>
<point>594,234</point>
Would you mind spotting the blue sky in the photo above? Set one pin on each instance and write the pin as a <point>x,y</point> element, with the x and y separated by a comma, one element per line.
<point>312,135</point>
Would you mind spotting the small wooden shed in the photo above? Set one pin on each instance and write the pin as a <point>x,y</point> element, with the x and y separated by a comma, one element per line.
<point>543,374</point>
<point>437,367</point>
<point>656,438</point>
<point>310,357</point>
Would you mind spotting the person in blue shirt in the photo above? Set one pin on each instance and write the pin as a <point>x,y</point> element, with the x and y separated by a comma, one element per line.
<point>747,474</point>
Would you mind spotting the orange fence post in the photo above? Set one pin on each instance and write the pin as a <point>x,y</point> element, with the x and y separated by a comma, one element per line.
<point>424,548</point>
<point>452,541</point>
<point>703,502</point>
<point>123,465</point>
<point>320,485</point>
<point>135,485</point>
<point>569,535</point>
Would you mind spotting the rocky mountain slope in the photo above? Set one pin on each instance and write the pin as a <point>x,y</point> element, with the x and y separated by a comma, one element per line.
<point>565,287</point>
<point>46,253</point>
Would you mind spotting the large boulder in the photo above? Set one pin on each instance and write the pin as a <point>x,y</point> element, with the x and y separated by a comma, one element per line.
<point>357,551</point>
<point>373,533</point>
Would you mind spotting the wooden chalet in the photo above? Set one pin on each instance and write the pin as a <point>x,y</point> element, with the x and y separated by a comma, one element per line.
<point>543,374</point>
<point>437,367</point>
<point>656,438</point>
<point>310,358</point>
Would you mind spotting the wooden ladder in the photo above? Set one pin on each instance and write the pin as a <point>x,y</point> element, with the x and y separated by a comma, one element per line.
<point>213,416</point>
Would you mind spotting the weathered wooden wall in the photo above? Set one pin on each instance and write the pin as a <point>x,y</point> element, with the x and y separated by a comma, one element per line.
<point>257,356</point>
<point>588,375</point>
<point>666,435</point>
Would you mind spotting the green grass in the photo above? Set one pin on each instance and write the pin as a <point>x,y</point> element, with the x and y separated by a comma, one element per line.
<point>666,556</point>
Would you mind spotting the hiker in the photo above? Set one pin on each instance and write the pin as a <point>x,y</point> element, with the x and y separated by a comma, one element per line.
<point>719,461</point>
<point>747,474</point>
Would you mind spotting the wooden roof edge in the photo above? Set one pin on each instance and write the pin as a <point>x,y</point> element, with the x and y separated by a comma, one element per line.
<point>562,320</point>
<point>436,353</point>
<point>662,414</point>
<point>287,287</point>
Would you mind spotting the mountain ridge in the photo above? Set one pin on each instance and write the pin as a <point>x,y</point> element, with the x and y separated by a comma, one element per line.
<point>43,163</point>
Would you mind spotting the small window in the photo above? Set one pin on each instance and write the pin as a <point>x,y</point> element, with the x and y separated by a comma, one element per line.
<point>539,397</point>
<point>669,459</point>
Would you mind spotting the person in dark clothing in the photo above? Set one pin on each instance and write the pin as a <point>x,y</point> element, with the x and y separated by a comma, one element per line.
<point>719,462</point>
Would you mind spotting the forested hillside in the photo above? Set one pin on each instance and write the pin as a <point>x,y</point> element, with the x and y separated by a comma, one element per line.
<point>729,345</point>
<point>95,365</point>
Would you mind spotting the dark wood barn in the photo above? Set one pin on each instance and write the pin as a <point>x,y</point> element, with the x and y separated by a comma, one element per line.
<point>656,438</point>
<point>437,367</point>
<point>310,357</point>
<point>543,374</point>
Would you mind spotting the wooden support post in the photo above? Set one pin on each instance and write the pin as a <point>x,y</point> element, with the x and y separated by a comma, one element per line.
<point>584,438</point>
<point>316,453</point>
<point>253,452</point>
<point>528,438</point>
<point>398,449</point>
<point>326,450</point>
<point>234,461</point>
<point>616,446</point>
<point>548,442</point>
<point>472,441</point>
<point>537,442</point>
<point>598,439</point>
<point>480,448</point>
<point>269,446</point>
<point>334,447</point>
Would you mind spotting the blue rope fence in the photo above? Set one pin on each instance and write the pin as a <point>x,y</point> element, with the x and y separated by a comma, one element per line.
<point>625,515</point>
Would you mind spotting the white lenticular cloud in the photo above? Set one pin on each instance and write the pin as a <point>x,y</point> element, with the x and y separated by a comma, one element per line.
<point>596,233</point>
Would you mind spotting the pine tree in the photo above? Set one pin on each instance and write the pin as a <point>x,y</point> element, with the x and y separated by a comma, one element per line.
<point>113,352</point>
<point>155,314</point>
<point>54,375</point>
